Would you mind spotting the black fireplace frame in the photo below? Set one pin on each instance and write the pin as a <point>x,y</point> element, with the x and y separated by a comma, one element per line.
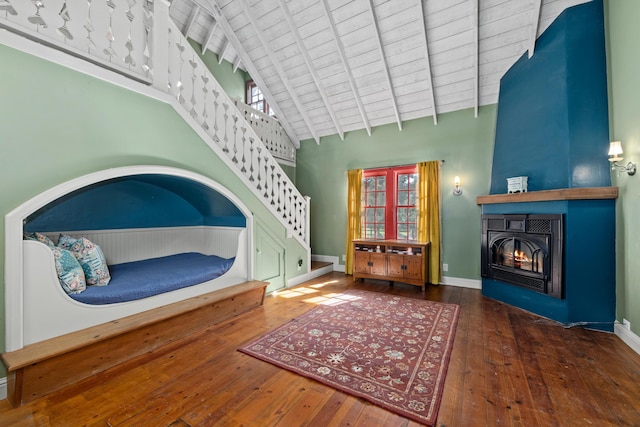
<point>548,229</point>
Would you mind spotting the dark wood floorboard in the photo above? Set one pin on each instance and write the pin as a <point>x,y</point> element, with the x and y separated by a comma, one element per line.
<point>508,368</point>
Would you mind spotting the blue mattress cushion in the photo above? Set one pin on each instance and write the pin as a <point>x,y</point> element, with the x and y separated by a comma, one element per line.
<point>141,279</point>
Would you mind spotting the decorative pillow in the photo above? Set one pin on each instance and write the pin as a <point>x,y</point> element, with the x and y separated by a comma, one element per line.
<point>40,238</point>
<point>70,273</point>
<point>90,257</point>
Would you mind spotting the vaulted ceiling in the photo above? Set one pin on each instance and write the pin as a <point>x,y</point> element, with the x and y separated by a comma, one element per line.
<point>332,66</point>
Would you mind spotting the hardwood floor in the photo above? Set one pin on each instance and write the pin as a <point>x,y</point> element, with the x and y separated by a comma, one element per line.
<point>508,367</point>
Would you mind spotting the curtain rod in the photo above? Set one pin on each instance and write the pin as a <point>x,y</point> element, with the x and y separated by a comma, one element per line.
<point>397,166</point>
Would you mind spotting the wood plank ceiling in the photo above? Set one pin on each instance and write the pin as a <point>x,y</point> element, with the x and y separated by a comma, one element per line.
<point>332,66</point>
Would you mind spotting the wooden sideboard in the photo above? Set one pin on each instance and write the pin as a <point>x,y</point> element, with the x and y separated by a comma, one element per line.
<point>393,260</point>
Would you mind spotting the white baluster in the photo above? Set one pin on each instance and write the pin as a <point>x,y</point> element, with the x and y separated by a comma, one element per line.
<point>192,111</point>
<point>109,51</point>
<point>128,59</point>
<point>205,116</point>
<point>63,30</point>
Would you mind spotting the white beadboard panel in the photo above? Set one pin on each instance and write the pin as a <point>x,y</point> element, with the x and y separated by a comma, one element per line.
<point>127,245</point>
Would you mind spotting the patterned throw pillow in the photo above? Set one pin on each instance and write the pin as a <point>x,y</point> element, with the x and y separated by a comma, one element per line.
<point>40,238</point>
<point>70,273</point>
<point>90,257</point>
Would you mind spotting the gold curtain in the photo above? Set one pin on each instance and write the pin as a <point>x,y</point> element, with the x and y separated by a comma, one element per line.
<point>429,214</point>
<point>354,202</point>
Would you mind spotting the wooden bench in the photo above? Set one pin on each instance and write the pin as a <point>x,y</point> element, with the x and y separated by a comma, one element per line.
<point>43,367</point>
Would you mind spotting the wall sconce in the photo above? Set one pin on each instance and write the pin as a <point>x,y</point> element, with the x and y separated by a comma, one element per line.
<point>456,186</point>
<point>615,149</point>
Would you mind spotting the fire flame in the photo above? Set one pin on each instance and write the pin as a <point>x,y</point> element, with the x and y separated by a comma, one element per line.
<point>520,256</point>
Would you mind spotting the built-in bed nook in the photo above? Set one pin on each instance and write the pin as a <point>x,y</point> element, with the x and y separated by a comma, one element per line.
<point>118,263</point>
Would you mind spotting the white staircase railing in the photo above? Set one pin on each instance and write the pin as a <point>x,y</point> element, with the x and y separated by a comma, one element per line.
<point>112,33</point>
<point>270,131</point>
<point>136,38</point>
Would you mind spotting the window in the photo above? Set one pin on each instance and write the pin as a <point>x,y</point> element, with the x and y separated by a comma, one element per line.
<point>389,198</point>
<point>255,98</point>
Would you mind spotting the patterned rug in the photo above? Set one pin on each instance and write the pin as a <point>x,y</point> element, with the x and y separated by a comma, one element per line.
<point>392,351</point>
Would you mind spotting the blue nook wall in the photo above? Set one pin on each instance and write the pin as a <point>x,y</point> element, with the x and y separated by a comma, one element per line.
<point>139,201</point>
<point>553,127</point>
<point>552,123</point>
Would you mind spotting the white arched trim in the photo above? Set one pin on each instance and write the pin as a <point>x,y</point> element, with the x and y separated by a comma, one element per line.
<point>14,259</point>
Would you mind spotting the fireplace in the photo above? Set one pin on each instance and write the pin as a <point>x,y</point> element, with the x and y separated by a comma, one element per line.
<point>524,250</point>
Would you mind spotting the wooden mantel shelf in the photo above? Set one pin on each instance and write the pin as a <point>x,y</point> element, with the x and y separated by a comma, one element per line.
<point>592,193</point>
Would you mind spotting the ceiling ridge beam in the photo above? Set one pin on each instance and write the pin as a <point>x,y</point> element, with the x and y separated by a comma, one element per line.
<point>345,64</point>
<point>195,10</point>
<point>427,57</point>
<point>392,94</point>
<point>537,7</point>
<point>253,71</point>
<point>476,65</point>
<point>281,72</point>
<point>311,67</point>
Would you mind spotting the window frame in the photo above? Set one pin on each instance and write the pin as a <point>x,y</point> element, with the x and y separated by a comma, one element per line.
<point>391,198</point>
<point>250,84</point>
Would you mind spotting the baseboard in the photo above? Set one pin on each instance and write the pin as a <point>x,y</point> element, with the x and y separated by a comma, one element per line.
<point>308,276</point>
<point>628,337</point>
<point>3,388</point>
<point>318,272</point>
<point>462,282</point>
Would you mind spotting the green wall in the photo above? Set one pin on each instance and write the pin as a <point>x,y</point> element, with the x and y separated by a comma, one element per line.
<point>291,173</point>
<point>464,142</point>
<point>623,61</point>
<point>58,124</point>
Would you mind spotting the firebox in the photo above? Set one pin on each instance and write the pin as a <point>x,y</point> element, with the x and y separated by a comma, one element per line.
<point>524,250</point>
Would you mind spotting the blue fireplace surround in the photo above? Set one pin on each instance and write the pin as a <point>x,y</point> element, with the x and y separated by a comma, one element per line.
<point>552,126</point>
<point>589,264</point>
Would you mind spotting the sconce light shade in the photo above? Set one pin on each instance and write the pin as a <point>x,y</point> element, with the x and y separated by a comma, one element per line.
<point>615,149</point>
<point>456,186</point>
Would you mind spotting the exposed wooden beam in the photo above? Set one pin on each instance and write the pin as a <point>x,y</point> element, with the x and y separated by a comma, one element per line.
<point>253,71</point>
<point>236,63</point>
<point>225,49</point>
<point>195,10</point>
<point>392,94</point>
<point>279,70</point>
<point>314,74</point>
<point>210,33</point>
<point>476,52</point>
<point>345,64</point>
<point>428,58</point>
<point>535,22</point>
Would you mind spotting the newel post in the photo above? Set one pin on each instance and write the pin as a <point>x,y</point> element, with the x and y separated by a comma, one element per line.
<point>160,42</point>
<point>307,235</point>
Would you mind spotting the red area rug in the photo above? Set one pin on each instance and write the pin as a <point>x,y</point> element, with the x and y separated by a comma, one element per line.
<point>392,351</point>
